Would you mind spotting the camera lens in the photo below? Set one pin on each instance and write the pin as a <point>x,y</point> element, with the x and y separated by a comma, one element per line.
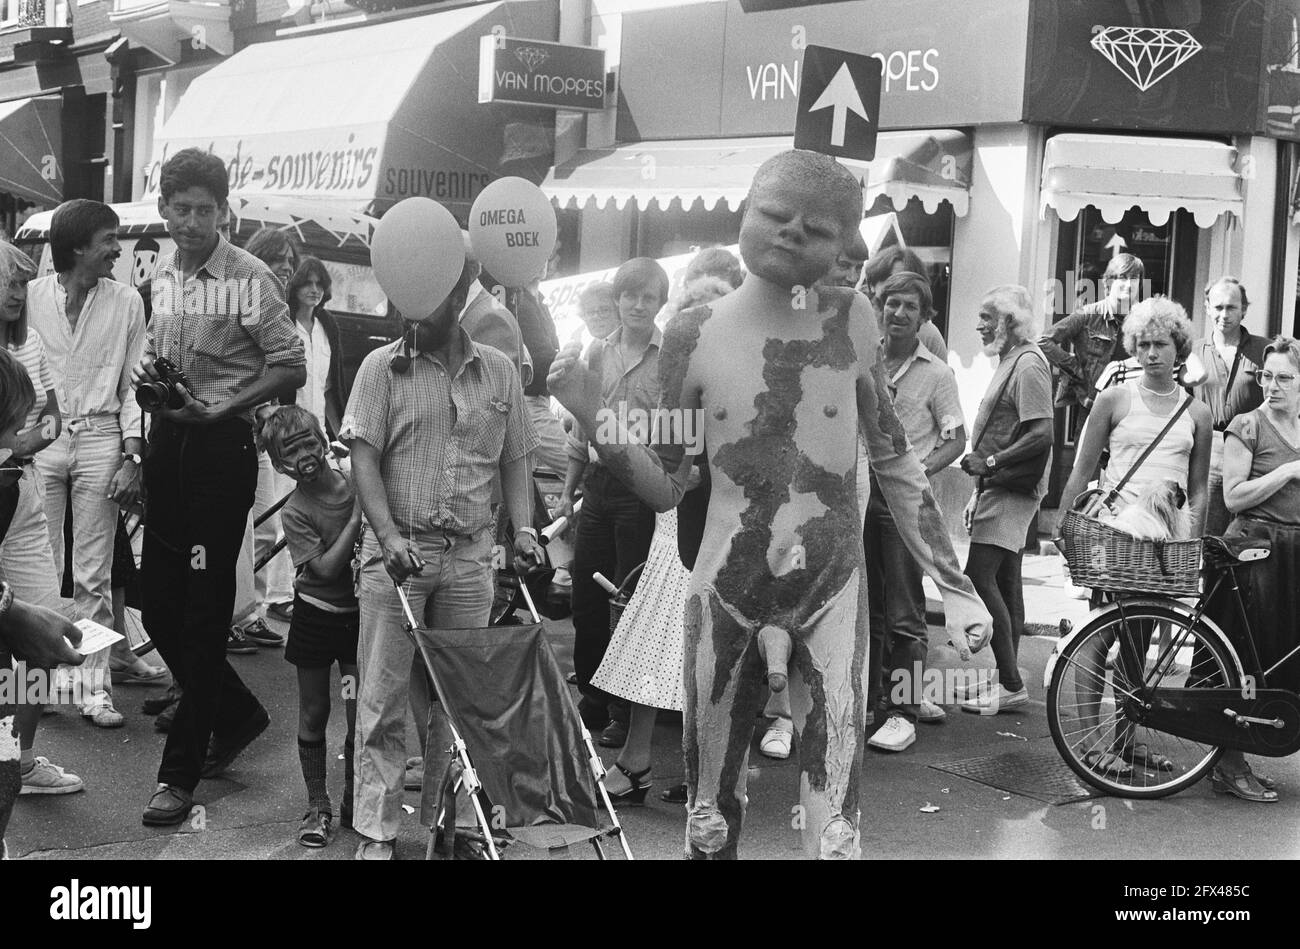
<point>151,396</point>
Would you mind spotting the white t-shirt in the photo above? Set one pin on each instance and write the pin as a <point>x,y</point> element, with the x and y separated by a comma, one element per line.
<point>32,356</point>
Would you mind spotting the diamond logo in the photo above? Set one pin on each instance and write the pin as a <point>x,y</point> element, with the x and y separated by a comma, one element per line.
<point>1145,55</point>
<point>531,56</point>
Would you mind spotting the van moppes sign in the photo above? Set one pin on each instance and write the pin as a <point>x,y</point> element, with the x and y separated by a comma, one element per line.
<point>533,72</point>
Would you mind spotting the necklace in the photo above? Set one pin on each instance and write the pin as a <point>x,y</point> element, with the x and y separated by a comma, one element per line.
<point>1154,392</point>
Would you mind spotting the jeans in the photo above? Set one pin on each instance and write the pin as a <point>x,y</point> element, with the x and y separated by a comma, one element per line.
<point>899,639</point>
<point>454,591</point>
<point>1217,515</point>
<point>79,466</point>
<point>995,572</point>
<point>200,482</point>
<point>27,563</point>
<point>613,536</point>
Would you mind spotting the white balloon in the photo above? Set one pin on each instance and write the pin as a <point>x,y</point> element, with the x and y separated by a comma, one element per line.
<point>512,229</point>
<point>418,254</point>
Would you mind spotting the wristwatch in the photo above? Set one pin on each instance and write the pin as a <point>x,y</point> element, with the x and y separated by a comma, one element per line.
<point>991,462</point>
<point>132,456</point>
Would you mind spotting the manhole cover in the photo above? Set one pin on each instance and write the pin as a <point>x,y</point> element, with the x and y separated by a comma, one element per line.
<point>1036,773</point>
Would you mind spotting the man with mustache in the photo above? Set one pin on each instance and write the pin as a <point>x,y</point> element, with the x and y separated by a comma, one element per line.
<point>431,420</point>
<point>93,328</point>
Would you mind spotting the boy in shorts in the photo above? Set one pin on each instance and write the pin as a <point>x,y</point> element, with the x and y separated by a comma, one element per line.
<point>321,520</point>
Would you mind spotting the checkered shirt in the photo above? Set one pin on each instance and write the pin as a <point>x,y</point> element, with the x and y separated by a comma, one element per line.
<point>224,326</point>
<point>442,440</point>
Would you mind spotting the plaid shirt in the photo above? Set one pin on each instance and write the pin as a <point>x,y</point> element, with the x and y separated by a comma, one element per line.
<point>224,326</point>
<point>442,439</point>
<point>623,388</point>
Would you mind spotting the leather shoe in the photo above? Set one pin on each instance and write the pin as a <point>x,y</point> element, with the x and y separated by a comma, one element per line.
<point>159,703</point>
<point>169,806</point>
<point>614,735</point>
<point>222,754</point>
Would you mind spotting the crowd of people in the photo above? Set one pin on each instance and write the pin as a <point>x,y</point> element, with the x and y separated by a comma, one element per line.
<point>229,424</point>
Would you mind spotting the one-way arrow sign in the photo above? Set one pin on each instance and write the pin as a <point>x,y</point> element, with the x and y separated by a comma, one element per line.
<point>839,103</point>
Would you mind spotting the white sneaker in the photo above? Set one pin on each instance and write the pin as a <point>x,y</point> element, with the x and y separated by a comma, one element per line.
<point>896,734</point>
<point>778,739</point>
<point>996,699</point>
<point>930,713</point>
<point>972,689</point>
<point>46,778</point>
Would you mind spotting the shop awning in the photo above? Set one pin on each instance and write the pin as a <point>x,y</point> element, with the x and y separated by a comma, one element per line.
<point>30,146</point>
<point>1159,175</point>
<point>931,165</point>
<point>365,116</point>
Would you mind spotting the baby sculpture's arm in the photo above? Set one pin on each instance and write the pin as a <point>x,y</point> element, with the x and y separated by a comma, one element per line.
<point>911,502</point>
<point>658,475</point>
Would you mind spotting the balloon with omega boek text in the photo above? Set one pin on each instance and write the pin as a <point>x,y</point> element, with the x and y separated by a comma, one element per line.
<point>417,253</point>
<point>512,230</point>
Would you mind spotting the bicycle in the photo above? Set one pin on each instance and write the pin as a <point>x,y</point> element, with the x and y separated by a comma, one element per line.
<point>1147,696</point>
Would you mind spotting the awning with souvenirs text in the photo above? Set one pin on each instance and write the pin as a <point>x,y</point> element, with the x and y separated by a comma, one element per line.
<point>30,143</point>
<point>1159,175</point>
<point>365,117</point>
<point>932,165</point>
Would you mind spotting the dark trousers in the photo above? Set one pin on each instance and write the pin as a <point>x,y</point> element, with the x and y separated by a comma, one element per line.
<point>899,639</point>
<point>995,573</point>
<point>200,482</point>
<point>613,536</point>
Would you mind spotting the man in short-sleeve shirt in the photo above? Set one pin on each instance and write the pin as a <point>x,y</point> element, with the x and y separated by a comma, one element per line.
<point>432,419</point>
<point>924,392</point>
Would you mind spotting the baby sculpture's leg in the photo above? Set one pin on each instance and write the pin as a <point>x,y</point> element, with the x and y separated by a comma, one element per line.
<point>725,688</point>
<point>827,698</point>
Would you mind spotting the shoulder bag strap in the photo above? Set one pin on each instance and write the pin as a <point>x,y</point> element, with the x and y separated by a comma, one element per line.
<point>1114,492</point>
<point>974,445</point>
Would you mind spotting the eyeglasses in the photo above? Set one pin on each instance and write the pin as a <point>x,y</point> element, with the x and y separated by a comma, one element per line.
<point>1283,379</point>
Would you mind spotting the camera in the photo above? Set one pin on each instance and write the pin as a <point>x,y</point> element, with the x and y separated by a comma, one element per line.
<point>165,393</point>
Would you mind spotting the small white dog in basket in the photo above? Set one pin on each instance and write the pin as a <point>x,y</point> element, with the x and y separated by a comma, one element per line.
<point>1157,514</point>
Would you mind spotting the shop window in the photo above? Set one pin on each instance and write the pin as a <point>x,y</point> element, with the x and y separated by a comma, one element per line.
<point>1084,246</point>
<point>665,233</point>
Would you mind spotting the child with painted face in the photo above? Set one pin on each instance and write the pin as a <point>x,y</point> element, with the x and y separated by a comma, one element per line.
<point>321,519</point>
<point>782,374</point>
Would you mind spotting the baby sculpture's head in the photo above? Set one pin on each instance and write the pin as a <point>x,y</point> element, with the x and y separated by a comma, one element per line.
<point>802,210</point>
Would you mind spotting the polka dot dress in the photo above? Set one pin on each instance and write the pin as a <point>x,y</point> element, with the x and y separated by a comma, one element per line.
<point>643,663</point>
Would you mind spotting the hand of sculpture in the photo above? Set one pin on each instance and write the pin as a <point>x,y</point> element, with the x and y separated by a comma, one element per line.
<point>575,384</point>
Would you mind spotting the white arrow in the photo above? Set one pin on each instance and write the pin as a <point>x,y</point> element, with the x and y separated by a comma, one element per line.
<point>841,95</point>
<point>1115,245</point>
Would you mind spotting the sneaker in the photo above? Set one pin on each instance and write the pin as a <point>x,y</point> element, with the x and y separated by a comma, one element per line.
<point>971,689</point>
<point>281,611</point>
<point>778,739</point>
<point>104,716</point>
<point>376,849</point>
<point>260,634</point>
<point>46,778</point>
<point>238,643</point>
<point>896,734</point>
<point>996,699</point>
<point>930,713</point>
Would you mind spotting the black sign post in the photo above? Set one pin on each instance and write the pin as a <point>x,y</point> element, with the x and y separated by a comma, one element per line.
<point>839,103</point>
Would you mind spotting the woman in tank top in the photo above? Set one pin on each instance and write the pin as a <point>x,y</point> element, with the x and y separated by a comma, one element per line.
<point>1125,420</point>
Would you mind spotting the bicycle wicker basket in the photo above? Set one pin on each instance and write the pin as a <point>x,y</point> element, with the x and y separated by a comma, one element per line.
<point>1104,558</point>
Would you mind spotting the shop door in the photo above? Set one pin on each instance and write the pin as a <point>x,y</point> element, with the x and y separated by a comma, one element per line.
<point>1168,253</point>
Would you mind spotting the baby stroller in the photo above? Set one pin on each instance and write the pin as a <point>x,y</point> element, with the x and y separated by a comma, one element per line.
<point>527,780</point>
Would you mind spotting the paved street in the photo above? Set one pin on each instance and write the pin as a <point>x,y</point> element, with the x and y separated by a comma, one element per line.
<point>254,812</point>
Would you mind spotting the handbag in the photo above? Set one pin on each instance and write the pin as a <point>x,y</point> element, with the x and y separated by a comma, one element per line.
<point>1020,476</point>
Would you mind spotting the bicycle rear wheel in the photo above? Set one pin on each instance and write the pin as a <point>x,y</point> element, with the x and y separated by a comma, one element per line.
<point>1095,702</point>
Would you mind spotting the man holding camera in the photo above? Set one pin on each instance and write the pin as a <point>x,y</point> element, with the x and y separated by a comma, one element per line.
<point>220,343</point>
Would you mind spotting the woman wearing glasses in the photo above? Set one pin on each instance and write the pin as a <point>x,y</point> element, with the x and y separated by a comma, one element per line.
<point>1261,486</point>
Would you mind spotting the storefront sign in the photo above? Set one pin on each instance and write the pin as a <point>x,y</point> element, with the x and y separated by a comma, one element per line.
<point>530,72</point>
<point>1166,65</point>
<point>733,73</point>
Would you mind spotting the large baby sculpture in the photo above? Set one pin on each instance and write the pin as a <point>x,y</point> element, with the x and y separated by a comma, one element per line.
<point>780,375</point>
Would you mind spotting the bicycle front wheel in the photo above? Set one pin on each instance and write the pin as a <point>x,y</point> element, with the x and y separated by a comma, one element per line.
<point>1095,702</point>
